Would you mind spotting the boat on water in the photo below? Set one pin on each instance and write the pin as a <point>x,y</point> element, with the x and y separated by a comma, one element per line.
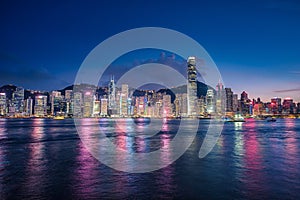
<point>58,117</point>
<point>272,119</point>
<point>236,118</point>
<point>141,120</point>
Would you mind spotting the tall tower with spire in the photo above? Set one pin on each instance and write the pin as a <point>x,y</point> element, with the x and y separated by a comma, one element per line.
<point>112,96</point>
<point>192,86</point>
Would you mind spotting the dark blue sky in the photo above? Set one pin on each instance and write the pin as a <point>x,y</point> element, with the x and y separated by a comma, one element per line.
<point>255,44</point>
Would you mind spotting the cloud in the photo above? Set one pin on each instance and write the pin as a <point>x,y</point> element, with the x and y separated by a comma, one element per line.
<point>39,78</point>
<point>295,72</point>
<point>287,90</point>
<point>25,74</point>
<point>165,58</point>
<point>14,70</point>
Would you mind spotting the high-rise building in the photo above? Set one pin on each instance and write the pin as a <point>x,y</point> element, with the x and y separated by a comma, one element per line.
<point>18,100</point>
<point>112,106</point>
<point>177,105</point>
<point>184,105</point>
<point>56,101</point>
<point>287,106</point>
<point>244,96</point>
<point>210,102</point>
<point>258,108</point>
<point>104,107</point>
<point>245,104</point>
<point>275,105</point>
<point>181,107</point>
<point>3,104</point>
<point>235,103</point>
<point>130,107</point>
<point>88,104</point>
<point>140,105</point>
<point>220,99</point>
<point>77,104</point>
<point>192,86</point>
<point>158,109</point>
<point>40,106</point>
<point>69,107</point>
<point>68,94</point>
<point>123,100</point>
<point>69,101</point>
<point>201,106</point>
<point>96,107</point>
<point>229,100</point>
<point>167,107</point>
<point>29,106</point>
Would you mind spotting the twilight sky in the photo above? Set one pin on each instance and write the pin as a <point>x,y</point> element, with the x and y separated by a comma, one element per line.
<point>255,44</point>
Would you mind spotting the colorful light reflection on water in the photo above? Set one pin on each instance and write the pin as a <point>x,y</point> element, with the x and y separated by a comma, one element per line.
<point>42,158</point>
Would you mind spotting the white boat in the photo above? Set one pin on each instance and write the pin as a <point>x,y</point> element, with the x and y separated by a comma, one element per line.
<point>236,118</point>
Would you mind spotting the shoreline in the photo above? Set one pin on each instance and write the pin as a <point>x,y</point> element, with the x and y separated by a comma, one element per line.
<point>296,116</point>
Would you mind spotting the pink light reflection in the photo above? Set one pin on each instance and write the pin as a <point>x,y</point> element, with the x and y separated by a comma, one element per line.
<point>165,176</point>
<point>291,148</point>
<point>86,172</point>
<point>36,162</point>
<point>253,161</point>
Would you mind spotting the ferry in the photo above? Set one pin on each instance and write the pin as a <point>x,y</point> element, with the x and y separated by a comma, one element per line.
<point>236,118</point>
<point>272,119</point>
<point>59,116</point>
<point>141,120</point>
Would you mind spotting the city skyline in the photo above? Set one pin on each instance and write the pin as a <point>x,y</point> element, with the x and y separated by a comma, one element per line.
<point>84,101</point>
<point>41,43</point>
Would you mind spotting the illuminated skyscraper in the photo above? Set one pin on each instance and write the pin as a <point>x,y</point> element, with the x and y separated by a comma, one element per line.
<point>181,104</point>
<point>56,100</point>
<point>69,101</point>
<point>18,100</point>
<point>245,103</point>
<point>235,102</point>
<point>2,104</point>
<point>177,105</point>
<point>104,107</point>
<point>77,104</point>
<point>287,106</point>
<point>88,104</point>
<point>140,105</point>
<point>201,106</point>
<point>29,106</point>
<point>130,107</point>
<point>68,94</point>
<point>276,105</point>
<point>96,107</point>
<point>40,106</point>
<point>244,97</point>
<point>158,109</point>
<point>220,99</point>
<point>112,97</point>
<point>192,86</point>
<point>167,107</point>
<point>123,100</point>
<point>229,100</point>
<point>210,102</point>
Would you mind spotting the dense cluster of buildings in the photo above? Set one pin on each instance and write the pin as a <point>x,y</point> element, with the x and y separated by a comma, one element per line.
<point>111,101</point>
